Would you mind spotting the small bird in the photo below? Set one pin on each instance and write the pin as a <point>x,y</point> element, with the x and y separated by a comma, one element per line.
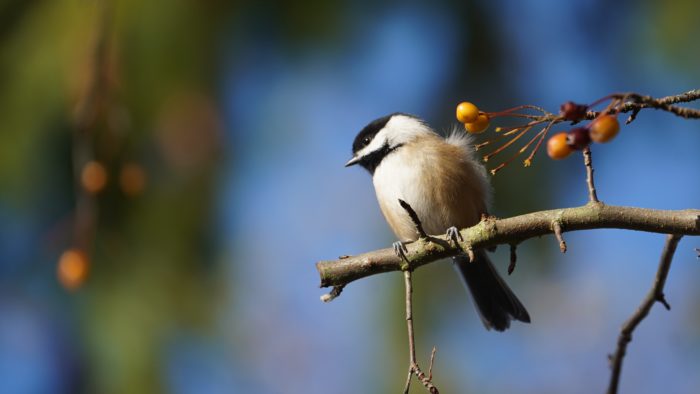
<point>447,187</point>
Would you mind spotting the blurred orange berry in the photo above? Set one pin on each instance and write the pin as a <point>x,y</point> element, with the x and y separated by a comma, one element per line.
<point>604,128</point>
<point>132,179</point>
<point>73,268</point>
<point>467,112</point>
<point>93,177</point>
<point>478,126</point>
<point>557,148</point>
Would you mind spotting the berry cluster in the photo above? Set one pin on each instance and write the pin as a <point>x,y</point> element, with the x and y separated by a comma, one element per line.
<point>474,120</point>
<point>602,129</point>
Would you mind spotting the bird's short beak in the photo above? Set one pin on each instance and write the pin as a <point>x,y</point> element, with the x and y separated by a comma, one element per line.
<point>352,161</point>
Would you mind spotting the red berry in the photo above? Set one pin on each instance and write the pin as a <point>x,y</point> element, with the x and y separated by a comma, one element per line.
<point>578,138</point>
<point>557,147</point>
<point>572,111</point>
<point>604,128</point>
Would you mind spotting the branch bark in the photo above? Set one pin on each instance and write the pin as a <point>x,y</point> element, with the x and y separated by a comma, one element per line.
<point>513,230</point>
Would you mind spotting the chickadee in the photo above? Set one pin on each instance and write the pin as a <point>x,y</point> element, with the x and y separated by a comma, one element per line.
<point>447,187</point>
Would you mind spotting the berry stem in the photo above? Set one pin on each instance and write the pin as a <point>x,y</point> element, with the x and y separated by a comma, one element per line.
<point>519,107</point>
<point>507,144</point>
<point>542,134</point>
<point>492,140</point>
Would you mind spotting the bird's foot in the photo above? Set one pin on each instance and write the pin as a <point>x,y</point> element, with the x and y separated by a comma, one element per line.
<point>400,250</point>
<point>453,235</point>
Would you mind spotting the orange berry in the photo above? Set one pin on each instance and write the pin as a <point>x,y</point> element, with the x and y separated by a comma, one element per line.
<point>604,128</point>
<point>557,148</point>
<point>467,112</point>
<point>478,126</point>
<point>72,268</point>
<point>132,179</point>
<point>93,177</point>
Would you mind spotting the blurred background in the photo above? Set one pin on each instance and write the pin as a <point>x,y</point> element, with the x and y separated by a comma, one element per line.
<point>170,173</point>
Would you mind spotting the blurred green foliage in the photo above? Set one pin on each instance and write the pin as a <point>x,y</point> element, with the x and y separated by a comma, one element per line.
<point>151,254</point>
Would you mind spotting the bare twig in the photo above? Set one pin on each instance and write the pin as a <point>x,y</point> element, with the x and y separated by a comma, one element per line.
<point>86,112</point>
<point>409,324</point>
<point>413,368</point>
<point>333,294</point>
<point>656,293</point>
<point>556,227</point>
<point>516,229</point>
<point>634,102</point>
<point>633,116</point>
<point>637,102</point>
<point>470,253</point>
<point>588,162</point>
<point>414,218</point>
<point>513,258</point>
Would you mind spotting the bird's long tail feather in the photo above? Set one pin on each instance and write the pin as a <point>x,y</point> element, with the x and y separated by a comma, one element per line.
<point>495,301</point>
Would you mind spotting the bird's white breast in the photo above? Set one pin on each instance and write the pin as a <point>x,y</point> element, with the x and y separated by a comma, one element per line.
<point>402,175</point>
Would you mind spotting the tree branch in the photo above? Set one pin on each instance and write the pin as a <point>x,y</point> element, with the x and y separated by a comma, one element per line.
<point>656,293</point>
<point>513,230</point>
<point>635,102</point>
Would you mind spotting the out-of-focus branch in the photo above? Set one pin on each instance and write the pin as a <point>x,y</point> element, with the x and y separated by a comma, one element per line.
<point>89,176</point>
<point>492,231</point>
<point>656,293</point>
<point>86,112</point>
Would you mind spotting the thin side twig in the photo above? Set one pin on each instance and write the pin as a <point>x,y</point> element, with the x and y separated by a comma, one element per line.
<point>84,126</point>
<point>413,368</point>
<point>655,294</point>
<point>414,218</point>
<point>556,227</point>
<point>513,258</point>
<point>333,294</point>
<point>638,102</point>
<point>408,283</point>
<point>588,162</point>
<point>634,102</point>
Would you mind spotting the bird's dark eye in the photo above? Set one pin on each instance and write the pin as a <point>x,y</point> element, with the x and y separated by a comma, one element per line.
<point>366,141</point>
